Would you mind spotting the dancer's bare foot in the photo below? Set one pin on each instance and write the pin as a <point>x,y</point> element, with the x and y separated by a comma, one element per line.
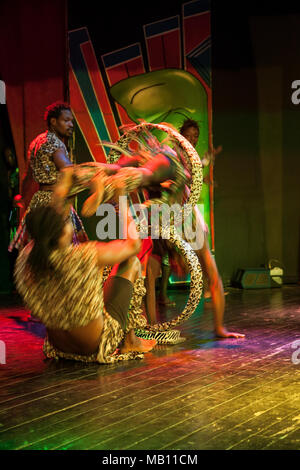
<point>133,343</point>
<point>223,333</point>
<point>207,295</point>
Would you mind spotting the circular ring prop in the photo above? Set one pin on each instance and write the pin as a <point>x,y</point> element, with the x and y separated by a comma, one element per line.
<point>163,332</point>
<point>191,157</point>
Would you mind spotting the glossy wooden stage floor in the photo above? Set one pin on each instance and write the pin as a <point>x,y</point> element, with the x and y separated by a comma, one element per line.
<point>200,394</point>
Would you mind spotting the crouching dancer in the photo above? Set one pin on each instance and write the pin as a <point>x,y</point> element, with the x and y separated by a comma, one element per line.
<point>62,285</point>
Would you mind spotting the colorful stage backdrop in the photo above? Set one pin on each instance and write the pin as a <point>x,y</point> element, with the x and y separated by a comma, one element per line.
<point>169,82</point>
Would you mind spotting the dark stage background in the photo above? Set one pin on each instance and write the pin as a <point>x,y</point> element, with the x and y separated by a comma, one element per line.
<point>33,65</point>
<point>255,59</point>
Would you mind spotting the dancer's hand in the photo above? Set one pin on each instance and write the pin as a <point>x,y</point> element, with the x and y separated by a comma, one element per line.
<point>134,161</point>
<point>210,155</point>
<point>223,333</point>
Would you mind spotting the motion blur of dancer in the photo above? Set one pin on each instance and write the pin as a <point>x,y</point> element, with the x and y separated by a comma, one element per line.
<point>191,131</point>
<point>61,283</point>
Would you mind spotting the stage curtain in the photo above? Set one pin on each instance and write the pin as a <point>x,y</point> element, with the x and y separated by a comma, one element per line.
<point>33,65</point>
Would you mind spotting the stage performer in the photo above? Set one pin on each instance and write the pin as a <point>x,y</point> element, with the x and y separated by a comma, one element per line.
<point>190,130</point>
<point>62,285</point>
<point>47,154</point>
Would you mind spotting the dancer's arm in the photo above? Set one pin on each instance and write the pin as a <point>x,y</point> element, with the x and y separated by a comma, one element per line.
<point>125,161</point>
<point>152,173</point>
<point>61,160</point>
<point>157,170</point>
<point>117,251</point>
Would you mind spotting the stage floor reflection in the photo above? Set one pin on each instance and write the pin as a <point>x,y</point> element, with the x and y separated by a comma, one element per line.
<point>203,393</point>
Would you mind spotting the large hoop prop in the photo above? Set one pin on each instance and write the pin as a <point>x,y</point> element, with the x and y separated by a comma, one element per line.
<point>163,332</point>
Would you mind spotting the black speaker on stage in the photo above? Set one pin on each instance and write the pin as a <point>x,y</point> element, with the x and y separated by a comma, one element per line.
<point>256,278</point>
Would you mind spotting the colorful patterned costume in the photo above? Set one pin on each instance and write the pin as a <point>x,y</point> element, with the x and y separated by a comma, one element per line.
<point>71,297</point>
<point>182,157</point>
<point>81,176</point>
<point>44,171</point>
<point>187,159</point>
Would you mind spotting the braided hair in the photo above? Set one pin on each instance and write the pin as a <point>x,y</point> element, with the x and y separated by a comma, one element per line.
<point>45,226</point>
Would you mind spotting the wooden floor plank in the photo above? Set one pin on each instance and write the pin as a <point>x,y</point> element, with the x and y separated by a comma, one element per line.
<point>131,411</point>
<point>17,401</point>
<point>200,394</point>
<point>171,406</point>
<point>227,429</point>
<point>228,366</point>
<point>233,396</point>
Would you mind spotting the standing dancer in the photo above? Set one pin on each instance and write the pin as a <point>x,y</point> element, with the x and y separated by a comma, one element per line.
<point>48,158</point>
<point>190,130</point>
<point>47,155</point>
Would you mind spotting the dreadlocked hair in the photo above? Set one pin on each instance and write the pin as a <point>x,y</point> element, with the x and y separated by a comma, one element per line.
<point>54,110</point>
<point>45,226</point>
<point>189,123</point>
